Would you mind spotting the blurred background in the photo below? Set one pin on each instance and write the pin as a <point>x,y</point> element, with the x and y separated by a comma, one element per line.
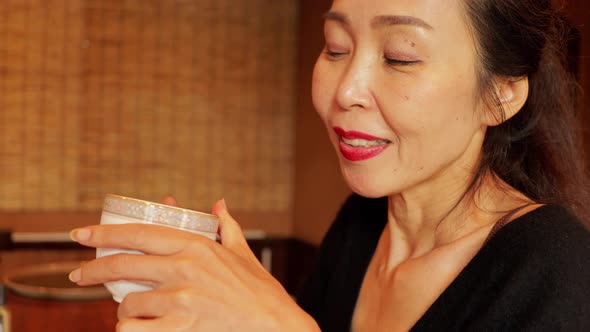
<point>199,99</point>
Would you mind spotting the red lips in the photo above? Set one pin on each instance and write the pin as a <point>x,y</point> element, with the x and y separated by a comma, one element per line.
<point>356,134</point>
<point>359,153</point>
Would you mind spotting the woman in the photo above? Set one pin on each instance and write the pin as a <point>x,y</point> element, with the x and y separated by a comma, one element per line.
<point>453,124</point>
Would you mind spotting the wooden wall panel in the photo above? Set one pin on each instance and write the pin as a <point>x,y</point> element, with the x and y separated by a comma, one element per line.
<point>147,98</point>
<point>578,12</point>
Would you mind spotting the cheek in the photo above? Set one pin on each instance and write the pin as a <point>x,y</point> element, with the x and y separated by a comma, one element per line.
<point>437,102</point>
<point>433,120</point>
<point>322,87</point>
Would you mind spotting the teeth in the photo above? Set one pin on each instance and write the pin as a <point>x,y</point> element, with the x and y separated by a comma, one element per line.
<point>363,142</point>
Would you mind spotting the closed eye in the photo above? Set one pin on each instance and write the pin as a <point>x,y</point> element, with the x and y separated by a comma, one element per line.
<point>333,55</point>
<point>397,62</point>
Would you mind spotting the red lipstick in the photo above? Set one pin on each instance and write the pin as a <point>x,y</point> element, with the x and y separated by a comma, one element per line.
<point>356,134</point>
<point>359,153</point>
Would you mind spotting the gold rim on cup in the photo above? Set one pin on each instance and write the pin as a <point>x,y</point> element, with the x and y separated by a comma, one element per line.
<point>162,214</point>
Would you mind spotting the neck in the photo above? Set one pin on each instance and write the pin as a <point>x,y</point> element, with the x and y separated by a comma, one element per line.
<point>421,221</point>
<point>419,218</point>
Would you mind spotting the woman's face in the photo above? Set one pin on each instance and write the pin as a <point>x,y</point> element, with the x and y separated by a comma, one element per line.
<point>396,87</point>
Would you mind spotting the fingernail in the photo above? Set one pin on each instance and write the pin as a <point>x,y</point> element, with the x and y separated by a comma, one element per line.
<point>75,275</point>
<point>80,234</point>
<point>223,205</point>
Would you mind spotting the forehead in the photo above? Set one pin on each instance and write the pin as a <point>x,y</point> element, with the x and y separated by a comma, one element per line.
<point>440,14</point>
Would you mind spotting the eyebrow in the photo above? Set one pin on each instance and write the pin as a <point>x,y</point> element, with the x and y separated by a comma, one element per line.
<point>379,21</point>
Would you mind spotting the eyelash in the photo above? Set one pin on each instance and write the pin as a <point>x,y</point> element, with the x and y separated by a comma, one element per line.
<point>388,61</point>
<point>396,62</point>
<point>333,55</point>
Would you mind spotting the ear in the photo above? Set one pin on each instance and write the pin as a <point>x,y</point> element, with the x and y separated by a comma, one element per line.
<point>511,93</point>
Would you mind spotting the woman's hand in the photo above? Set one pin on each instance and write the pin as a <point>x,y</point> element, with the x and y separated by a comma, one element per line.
<point>199,284</point>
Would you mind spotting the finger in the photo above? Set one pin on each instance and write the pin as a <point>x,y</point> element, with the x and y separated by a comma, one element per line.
<point>170,201</point>
<point>150,239</point>
<point>159,303</point>
<point>166,323</point>
<point>149,270</point>
<point>230,231</point>
<point>150,304</point>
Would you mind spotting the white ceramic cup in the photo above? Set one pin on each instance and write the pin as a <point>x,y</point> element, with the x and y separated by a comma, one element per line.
<point>125,210</point>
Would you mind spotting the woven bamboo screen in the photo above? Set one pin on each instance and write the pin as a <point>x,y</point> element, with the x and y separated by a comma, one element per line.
<point>146,98</point>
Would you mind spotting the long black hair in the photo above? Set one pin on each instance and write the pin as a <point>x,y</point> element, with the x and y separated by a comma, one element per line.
<point>538,151</point>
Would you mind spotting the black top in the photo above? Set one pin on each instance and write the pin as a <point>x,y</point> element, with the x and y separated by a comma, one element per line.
<point>532,275</point>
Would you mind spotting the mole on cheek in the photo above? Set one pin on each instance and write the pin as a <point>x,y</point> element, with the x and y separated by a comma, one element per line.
<point>409,42</point>
<point>407,97</point>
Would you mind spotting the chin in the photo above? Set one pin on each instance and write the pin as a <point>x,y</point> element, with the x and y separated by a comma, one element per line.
<point>366,184</point>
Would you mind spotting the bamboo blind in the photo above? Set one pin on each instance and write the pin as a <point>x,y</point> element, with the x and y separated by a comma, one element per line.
<point>146,98</point>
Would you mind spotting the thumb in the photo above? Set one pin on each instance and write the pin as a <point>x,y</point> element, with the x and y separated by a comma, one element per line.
<point>230,231</point>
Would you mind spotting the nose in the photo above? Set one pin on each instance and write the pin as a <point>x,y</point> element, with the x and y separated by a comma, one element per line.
<point>354,88</point>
